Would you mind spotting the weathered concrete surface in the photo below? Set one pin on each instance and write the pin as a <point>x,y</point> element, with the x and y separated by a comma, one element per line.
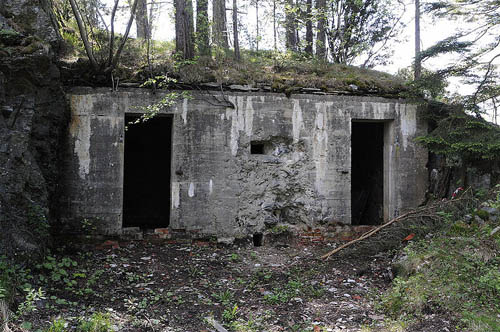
<point>217,186</point>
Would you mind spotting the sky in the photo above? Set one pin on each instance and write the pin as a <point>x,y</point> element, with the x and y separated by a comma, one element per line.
<point>431,32</point>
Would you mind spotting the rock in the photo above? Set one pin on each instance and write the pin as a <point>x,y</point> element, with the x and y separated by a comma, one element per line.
<point>495,230</point>
<point>490,210</point>
<point>32,18</point>
<point>225,240</point>
<point>479,220</point>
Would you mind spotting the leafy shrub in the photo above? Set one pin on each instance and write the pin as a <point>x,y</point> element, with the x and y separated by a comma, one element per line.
<point>457,272</point>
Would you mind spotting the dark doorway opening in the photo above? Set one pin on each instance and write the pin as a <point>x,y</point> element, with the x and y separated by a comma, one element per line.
<point>257,239</point>
<point>367,173</point>
<point>146,182</point>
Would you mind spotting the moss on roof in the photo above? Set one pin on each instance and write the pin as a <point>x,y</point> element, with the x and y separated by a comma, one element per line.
<point>265,71</point>
<point>288,76</point>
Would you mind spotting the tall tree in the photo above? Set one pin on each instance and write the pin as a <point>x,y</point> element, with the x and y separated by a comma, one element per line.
<point>476,45</point>
<point>309,28</point>
<point>141,21</point>
<point>291,26</point>
<point>360,29</point>
<point>418,63</point>
<point>237,55</point>
<point>257,37</point>
<point>219,27</point>
<point>109,64</point>
<point>275,38</point>
<point>184,31</point>
<point>202,28</point>
<point>321,28</point>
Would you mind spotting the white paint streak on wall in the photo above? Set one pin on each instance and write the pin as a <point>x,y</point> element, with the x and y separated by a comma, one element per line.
<point>297,120</point>
<point>240,113</point>
<point>242,120</point>
<point>80,132</point>
<point>320,145</point>
<point>82,144</point>
<point>380,110</point>
<point>175,195</point>
<point>184,110</point>
<point>408,116</point>
<point>235,133</point>
<point>210,187</point>
<point>249,116</point>
<point>191,190</point>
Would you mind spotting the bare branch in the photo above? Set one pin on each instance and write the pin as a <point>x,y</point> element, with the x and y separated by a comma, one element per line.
<point>83,34</point>
<point>124,39</point>
<point>112,33</point>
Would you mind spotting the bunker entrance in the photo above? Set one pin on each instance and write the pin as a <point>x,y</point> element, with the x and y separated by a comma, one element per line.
<point>367,173</point>
<point>146,182</point>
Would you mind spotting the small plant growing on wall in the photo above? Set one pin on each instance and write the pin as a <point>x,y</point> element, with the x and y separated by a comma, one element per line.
<point>170,99</point>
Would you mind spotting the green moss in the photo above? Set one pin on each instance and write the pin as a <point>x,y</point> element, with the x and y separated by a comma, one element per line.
<point>10,37</point>
<point>483,214</point>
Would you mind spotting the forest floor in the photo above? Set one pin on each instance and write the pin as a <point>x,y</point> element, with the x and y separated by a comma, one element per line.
<point>160,286</point>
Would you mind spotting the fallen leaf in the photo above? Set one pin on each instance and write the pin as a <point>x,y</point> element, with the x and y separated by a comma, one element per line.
<point>409,237</point>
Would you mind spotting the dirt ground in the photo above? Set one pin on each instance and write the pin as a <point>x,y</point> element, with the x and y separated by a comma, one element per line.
<point>162,286</point>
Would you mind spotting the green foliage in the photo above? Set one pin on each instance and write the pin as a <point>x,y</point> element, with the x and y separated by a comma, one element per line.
<point>224,297</point>
<point>13,276</point>
<point>10,37</point>
<point>37,221</point>
<point>98,322</point>
<point>457,271</point>
<point>230,314</point>
<point>362,29</point>
<point>431,84</point>
<point>168,100</point>
<point>460,136</point>
<point>28,305</point>
<point>57,325</point>
<point>475,46</point>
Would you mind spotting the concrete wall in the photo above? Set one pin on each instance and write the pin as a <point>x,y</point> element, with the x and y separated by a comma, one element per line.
<point>217,186</point>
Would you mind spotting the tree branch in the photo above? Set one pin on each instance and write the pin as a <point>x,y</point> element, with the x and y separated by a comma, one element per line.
<point>83,34</point>
<point>124,39</point>
<point>112,33</point>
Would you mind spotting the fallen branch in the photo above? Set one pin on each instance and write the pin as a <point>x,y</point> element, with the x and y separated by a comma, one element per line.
<point>390,222</point>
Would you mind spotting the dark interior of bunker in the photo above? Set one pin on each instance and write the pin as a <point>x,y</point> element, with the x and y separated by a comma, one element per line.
<point>146,192</point>
<point>367,181</point>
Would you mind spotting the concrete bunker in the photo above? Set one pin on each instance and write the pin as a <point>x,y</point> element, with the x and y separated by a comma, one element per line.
<point>146,173</point>
<point>240,164</point>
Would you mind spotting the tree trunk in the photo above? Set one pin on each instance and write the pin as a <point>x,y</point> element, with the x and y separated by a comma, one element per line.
<point>290,26</point>
<point>141,20</point>
<point>257,23</point>
<point>202,28</point>
<point>219,24</point>
<point>237,56</point>
<point>418,63</point>
<point>184,43</point>
<point>274,26</point>
<point>309,28</point>
<point>321,34</point>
